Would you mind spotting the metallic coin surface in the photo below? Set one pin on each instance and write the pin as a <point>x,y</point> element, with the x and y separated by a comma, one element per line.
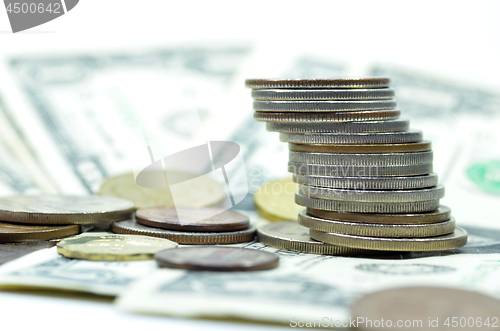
<point>276,200</point>
<point>291,236</point>
<point>454,240</point>
<point>377,230</point>
<point>325,117</point>
<point>426,304</point>
<point>60,209</point>
<point>359,170</point>
<point>323,105</point>
<point>317,94</point>
<point>112,247</point>
<point>192,219</point>
<point>424,194</point>
<point>217,259</point>
<point>421,146</point>
<point>21,232</point>
<point>189,238</point>
<point>352,138</point>
<point>346,127</point>
<point>318,83</point>
<point>361,159</point>
<point>194,191</point>
<point>369,183</point>
<point>442,214</point>
<point>366,207</point>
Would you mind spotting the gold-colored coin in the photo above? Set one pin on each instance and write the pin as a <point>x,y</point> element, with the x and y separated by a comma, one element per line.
<point>276,200</point>
<point>421,146</point>
<point>23,232</point>
<point>112,247</point>
<point>377,230</point>
<point>450,241</point>
<point>192,191</point>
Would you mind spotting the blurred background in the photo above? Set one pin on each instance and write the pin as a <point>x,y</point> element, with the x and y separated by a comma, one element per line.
<point>112,84</point>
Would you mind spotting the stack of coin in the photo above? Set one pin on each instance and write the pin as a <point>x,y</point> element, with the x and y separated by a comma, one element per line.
<point>365,178</point>
<point>190,226</point>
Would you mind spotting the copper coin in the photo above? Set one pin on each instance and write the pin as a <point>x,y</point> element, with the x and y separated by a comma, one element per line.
<point>426,308</point>
<point>421,146</point>
<point>216,258</point>
<point>21,232</point>
<point>192,219</point>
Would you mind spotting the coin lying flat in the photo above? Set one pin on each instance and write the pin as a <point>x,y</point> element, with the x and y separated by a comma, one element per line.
<point>276,200</point>
<point>366,207</point>
<point>456,239</point>
<point>112,247</point>
<point>194,192</point>
<point>369,183</point>
<point>348,127</point>
<point>192,219</point>
<point>424,194</point>
<point>359,170</point>
<point>318,94</point>
<point>318,83</point>
<point>189,238</point>
<point>334,138</point>
<point>361,159</point>
<point>377,230</point>
<point>217,259</point>
<point>426,304</point>
<point>421,146</point>
<point>323,105</point>
<point>291,236</point>
<point>325,117</point>
<point>21,232</point>
<point>59,209</point>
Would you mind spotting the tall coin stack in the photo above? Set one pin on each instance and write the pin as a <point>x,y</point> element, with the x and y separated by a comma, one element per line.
<point>365,178</point>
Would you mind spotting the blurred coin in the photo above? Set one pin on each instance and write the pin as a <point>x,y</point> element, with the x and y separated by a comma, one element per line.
<point>424,194</point>
<point>345,127</point>
<point>454,240</point>
<point>182,237</point>
<point>442,214</point>
<point>112,247</point>
<point>60,209</point>
<point>195,191</point>
<point>192,219</point>
<point>325,117</point>
<point>217,259</point>
<point>21,232</point>
<point>366,207</point>
<point>359,170</point>
<point>276,200</point>
<point>328,94</point>
<point>361,159</point>
<point>375,82</point>
<point>377,230</point>
<point>323,105</point>
<point>352,138</point>
<point>421,146</point>
<point>291,236</point>
<point>369,183</point>
<point>433,306</point>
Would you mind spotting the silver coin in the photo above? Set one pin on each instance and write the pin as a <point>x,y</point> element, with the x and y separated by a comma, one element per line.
<point>366,207</point>
<point>331,117</point>
<point>323,105</point>
<point>359,171</point>
<point>369,183</point>
<point>58,209</point>
<point>361,159</point>
<point>329,94</point>
<point>376,230</point>
<point>352,138</point>
<point>351,127</point>
<point>318,83</point>
<point>425,194</point>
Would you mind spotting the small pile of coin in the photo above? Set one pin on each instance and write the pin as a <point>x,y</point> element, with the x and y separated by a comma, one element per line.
<point>190,226</point>
<point>365,178</point>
